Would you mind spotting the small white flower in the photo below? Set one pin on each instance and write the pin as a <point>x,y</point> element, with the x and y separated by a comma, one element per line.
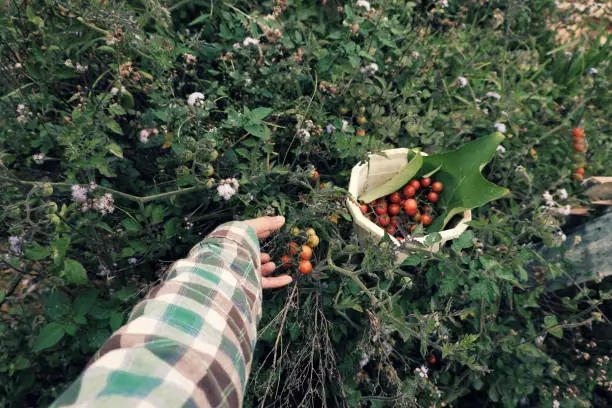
<point>304,135</point>
<point>363,3</point>
<point>236,46</point>
<point>79,193</point>
<point>190,59</point>
<point>15,245</point>
<point>422,371</point>
<point>494,95</point>
<point>364,360</point>
<point>593,71</point>
<point>196,99</point>
<point>539,341</point>
<point>92,185</point>
<point>565,211</point>
<point>81,68</point>
<point>500,127</point>
<point>330,128</point>
<point>123,89</point>
<point>560,236</point>
<point>309,124</point>
<point>562,194</point>
<point>105,204</point>
<point>114,91</point>
<point>556,404</point>
<point>370,69</point>
<point>18,65</point>
<point>226,191</point>
<point>444,3</point>
<point>250,41</point>
<point>415,54</point>
<point>132,261</point>
<point>500,149</point>
<point>504,113</point>
<point>38,158</point>
<point>548,198</point>
<point>462,82</point>
<point>345,125</point>
<point>144,135</point>
<point>68,63</point>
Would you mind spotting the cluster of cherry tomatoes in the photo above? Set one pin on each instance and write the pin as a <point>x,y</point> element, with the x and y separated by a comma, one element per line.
<point>399,213</point>
<point>300,254</point>
<point>580,150</point>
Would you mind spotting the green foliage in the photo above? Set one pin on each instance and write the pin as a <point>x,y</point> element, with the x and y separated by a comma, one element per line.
<point>103,93</point>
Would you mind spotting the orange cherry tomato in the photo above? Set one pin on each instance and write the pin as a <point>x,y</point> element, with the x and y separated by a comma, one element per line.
<point>426,182</point>
<point>305,267</point>
<point>384,220</point>
<point>578,132</point>
<point>426,219</point>
<point>411,206</point>
<point>437,186</point>
<point>433,197</point>
<point>381,207</point>
<point>315,175</point>
<point>286,260</point>
<point>360,132</point>
<point>415,184</point>
<point>306,252</point>
<point>364,208</point>
<point>293,248</point>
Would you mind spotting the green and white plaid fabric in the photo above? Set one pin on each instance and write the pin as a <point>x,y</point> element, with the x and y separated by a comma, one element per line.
<point>190,342</point>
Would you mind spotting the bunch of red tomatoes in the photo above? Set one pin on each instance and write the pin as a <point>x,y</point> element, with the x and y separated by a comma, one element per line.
<point>300,254</point>
<point>579,155</point>
<point>399,213</point>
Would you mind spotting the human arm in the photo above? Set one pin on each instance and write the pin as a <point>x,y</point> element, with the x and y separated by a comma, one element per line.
<point>190,342</point>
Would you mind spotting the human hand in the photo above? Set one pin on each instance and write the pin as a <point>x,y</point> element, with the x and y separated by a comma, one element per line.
<point>264,226</point>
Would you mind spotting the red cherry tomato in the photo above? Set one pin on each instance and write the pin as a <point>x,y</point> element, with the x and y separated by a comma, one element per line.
<point>580,147</point>
<point>384,220</point>
<point>381,207</point>
<point>364,208</point>
<point>395,198</point>
<point>415,184</point>
<point>426,182</point>
<point>394,209</point>
<point>578,132</point>
<point>391,230</point>
<point>293,248</point>
<point>409,191</point>
<point>411,206</point>
<point>314,175</point>
<point>580,171</point>
<point>433,197</point>
<point>286,260</point>
<point>399,237</point>
<point>426,219</point>
<point>417,217</point>
<point>437,186</point>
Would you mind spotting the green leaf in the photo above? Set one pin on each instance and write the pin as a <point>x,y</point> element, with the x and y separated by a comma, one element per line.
<point>200,19</point>
<point>465,240</point>
<point>116,109</point>
<point>259,114</point>
<point>84,302</point>
<point>116,320</point>
<point>49,336</point>
<point>59,248</point>
<point>157,214</point>
<point>115,149</point>
<point>57,304</point>
<point>398,181</point>
<point>461,173</point>
<point>74,272</point>
<point>131,225</point>
<point>35,252</point>
<point>553,327</point>
<point>114,126</point>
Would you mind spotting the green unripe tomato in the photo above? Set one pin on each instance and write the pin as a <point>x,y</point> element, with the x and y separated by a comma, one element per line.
<point>15,212</point>
<point>51,207</point>
<point>46,190</point>
<point>182,170</point>
<point>54,219</point>
<point>210,183</point>
<point>213,155</point>
<point>190,143</point>
<point>207,170</point>
<point>185,156</point>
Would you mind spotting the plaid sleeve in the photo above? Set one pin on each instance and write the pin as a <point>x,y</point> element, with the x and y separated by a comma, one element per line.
<point>190,342</point>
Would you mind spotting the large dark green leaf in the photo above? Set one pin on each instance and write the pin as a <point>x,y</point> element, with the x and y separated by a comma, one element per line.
<point>49,336</point>
<point>74,272</point>
<point>461,173</point>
